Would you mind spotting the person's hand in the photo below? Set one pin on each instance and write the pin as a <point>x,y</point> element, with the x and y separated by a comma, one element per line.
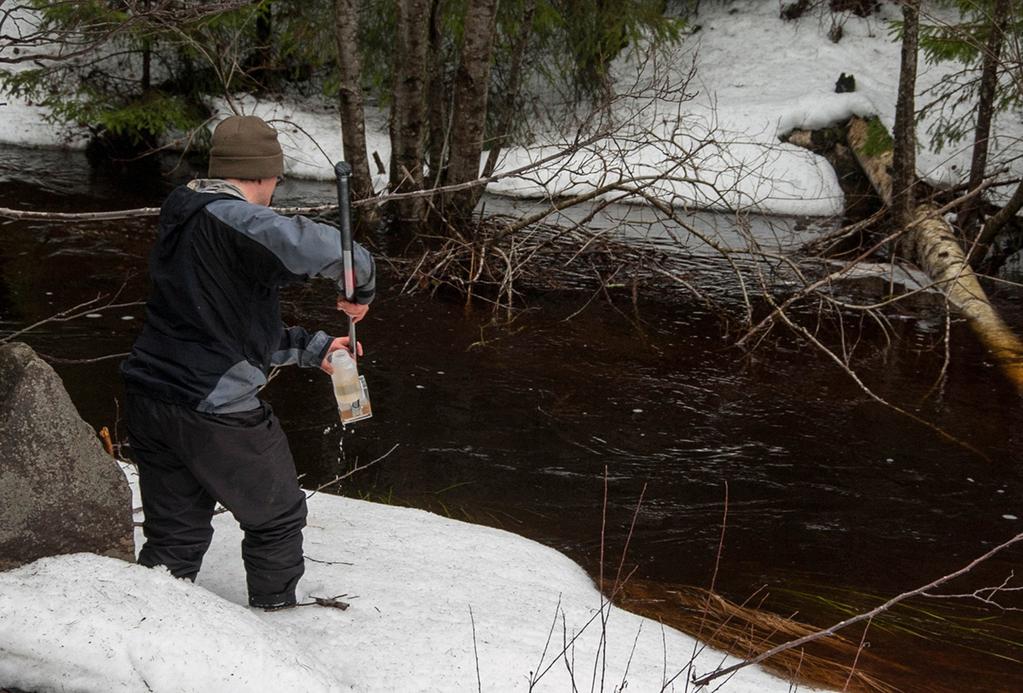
<point>356,311</point>
<point>337,344</point>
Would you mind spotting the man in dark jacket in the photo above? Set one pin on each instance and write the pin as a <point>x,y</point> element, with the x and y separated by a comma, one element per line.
<point>213,330</point>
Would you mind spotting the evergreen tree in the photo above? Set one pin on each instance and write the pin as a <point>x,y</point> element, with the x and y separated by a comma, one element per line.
<point>970,101</point>
<point>129,72</point>
<point>968,41</point>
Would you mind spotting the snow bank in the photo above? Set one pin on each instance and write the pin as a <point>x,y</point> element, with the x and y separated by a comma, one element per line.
<point>427,594</point>
<point>88,623</point>
<point>22,122</point>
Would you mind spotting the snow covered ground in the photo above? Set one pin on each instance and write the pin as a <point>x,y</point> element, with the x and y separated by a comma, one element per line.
<point>757,78</point>
<point>436,605</point>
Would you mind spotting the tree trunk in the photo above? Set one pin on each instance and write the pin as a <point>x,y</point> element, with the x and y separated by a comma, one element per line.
<point>931,244</point>
<point>408,106</point>
<point>509,109</point>
<point>147,57</point>
<point>353,117</point>
<point>469,109</point>
<point>985,110</point>
<point>262,61</point>
<point>440,98</point>
<point>147,61</point>
<point>904,135</point>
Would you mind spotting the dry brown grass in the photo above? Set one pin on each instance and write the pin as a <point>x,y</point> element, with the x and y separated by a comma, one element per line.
<point>745,631</point>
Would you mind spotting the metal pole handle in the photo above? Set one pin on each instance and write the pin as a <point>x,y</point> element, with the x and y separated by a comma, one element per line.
<point>343,174</point>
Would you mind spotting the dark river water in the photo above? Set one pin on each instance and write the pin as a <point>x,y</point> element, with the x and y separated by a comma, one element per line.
<point>834,502</point>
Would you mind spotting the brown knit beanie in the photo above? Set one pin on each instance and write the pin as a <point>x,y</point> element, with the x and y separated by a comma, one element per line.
<point>245,147</point>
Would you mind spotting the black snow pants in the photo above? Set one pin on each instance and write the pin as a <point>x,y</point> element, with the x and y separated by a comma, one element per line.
<point>188,461</point>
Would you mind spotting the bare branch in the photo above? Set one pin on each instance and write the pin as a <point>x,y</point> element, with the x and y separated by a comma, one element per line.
<point>867,616</point>
<point>353,471</point>
<point>985,595</point>
<point>75,312</point>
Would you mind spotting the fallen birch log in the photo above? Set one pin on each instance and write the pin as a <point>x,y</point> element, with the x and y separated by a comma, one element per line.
<point>930,243</point>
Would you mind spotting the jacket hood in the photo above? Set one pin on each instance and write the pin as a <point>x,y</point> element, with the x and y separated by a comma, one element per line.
<point>188,199</point>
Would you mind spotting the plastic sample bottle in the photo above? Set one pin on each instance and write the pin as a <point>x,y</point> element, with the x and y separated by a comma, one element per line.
<point>347,388</point>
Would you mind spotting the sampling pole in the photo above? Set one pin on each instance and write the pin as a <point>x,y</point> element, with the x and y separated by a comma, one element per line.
<point>343,173</point>
<point>349,387</point>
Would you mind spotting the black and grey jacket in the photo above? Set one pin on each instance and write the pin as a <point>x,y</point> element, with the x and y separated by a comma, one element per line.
<point>213,328</point>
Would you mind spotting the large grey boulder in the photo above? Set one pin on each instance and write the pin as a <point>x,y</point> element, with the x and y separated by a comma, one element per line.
<point>60,492</point>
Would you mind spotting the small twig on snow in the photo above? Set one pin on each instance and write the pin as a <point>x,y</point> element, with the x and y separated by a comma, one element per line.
<point>332,602</point>
<point>475,651</point>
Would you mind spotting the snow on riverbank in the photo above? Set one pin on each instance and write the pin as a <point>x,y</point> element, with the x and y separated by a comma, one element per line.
<point>427,594</point>
<point>757,78</point>
<point>761,77</point>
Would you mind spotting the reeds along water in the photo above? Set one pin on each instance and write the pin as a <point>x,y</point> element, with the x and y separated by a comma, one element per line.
<point>745,630</point>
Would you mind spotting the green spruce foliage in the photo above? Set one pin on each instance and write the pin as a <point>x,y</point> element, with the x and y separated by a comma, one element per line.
<point>878,140</point>
<point>595,32</point>
<point>963,41</point>
<point>127,72</point>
